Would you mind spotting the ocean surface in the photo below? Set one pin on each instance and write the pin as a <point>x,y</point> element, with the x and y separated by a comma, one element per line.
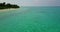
<point>31,19</point>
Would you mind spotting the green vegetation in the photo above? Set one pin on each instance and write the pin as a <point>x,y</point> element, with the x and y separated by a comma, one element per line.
<point>5,6</point>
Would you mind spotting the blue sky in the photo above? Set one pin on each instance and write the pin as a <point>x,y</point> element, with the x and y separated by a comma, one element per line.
<point>34,2</point>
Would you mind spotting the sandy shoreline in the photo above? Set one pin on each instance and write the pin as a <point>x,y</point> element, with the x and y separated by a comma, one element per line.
<point>4,10</point>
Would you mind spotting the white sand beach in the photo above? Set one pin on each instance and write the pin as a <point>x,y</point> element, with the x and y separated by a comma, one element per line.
<point>4,10</point>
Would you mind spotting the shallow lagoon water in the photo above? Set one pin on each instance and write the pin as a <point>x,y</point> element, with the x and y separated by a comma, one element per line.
<point>31,19</point>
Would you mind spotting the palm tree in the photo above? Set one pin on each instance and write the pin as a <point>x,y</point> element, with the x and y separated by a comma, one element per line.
<point>3,3</point>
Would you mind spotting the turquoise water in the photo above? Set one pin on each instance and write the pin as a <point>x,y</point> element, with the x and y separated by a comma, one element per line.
<point>31,19</point>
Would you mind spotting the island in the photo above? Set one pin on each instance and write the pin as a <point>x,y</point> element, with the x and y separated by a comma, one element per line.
<point>8,5</point>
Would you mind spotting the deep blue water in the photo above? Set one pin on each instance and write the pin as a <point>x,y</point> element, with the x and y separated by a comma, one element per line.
<point>31,19</point>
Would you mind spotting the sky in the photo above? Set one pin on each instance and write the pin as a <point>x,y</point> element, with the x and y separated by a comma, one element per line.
<point>34,2</point>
